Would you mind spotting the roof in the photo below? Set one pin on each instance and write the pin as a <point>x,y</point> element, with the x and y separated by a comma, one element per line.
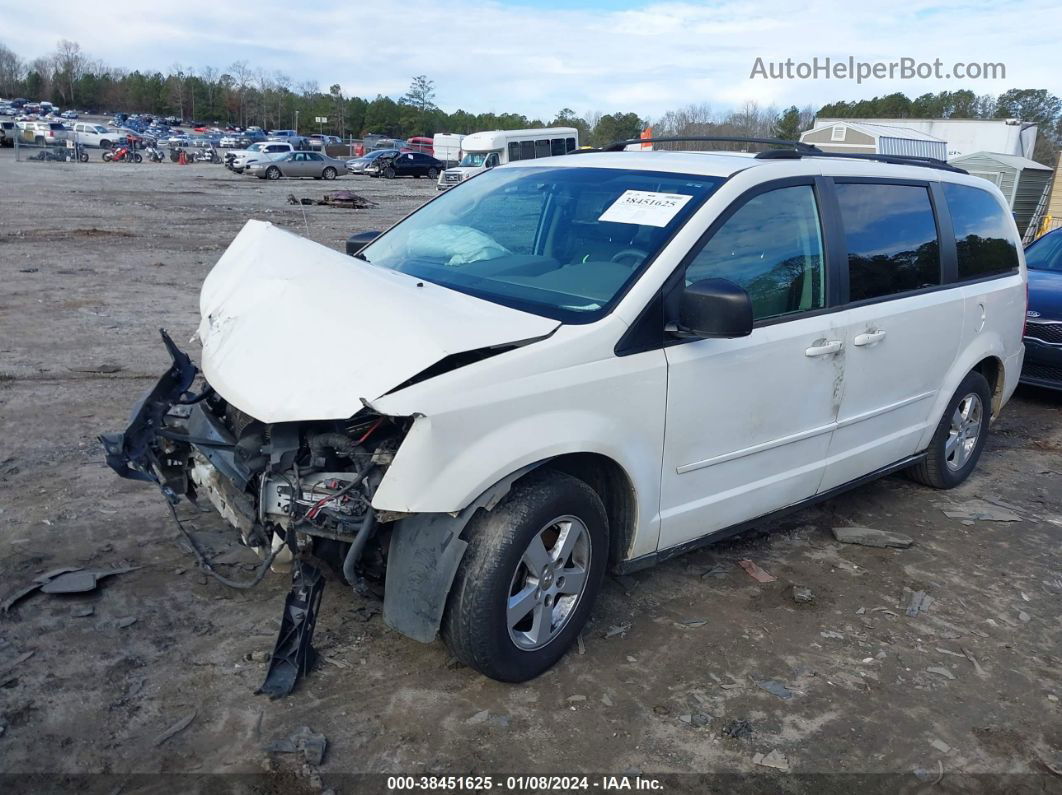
<point>1013,161</point>
<point>882,131</point>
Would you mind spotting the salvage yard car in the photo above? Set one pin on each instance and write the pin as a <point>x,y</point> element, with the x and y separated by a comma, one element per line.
<point>578,364</point>
<point>298,164</point>
<point>1043,324</point>
<point>405,164</point>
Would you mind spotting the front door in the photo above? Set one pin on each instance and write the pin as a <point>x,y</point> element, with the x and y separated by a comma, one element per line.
<point>749,420</point>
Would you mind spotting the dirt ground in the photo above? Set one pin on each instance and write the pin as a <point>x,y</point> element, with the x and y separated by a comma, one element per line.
<point>670,676</point>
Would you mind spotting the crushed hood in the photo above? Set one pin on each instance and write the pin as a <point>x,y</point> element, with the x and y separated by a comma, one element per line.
<point>292,330</point>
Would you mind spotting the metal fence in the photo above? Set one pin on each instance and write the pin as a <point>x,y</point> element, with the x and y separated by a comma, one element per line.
<point>62,152</point>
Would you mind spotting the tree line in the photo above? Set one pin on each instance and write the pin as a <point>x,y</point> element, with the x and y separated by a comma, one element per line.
<point>243,95</point>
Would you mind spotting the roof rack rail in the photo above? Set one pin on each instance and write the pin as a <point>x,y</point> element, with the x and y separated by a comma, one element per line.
<point>619,146</point>
<point>792,150</point>
<point>896,160</point>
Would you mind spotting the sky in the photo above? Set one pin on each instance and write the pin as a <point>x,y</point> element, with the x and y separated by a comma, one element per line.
<point>538,56</point>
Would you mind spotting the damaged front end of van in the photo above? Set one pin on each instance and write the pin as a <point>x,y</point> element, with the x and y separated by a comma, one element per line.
<point>279,432</point>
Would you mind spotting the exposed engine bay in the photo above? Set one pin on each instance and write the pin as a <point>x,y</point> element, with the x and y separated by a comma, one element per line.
<point>299,493</point>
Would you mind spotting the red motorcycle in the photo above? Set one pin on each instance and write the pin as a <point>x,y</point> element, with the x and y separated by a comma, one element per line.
<point>122,153</point>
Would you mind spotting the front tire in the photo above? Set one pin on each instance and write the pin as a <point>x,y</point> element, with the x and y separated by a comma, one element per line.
<point>433,173</point>
<point>389,173</point>
<point>528,580</point>
<point>959,438</point>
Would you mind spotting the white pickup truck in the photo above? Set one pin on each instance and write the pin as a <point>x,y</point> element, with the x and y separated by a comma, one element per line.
<point>238,159</point>
<point>89,134</point>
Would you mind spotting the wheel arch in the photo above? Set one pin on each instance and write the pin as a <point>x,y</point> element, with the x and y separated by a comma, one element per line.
<point>992,368</point>
<point>615,488</point>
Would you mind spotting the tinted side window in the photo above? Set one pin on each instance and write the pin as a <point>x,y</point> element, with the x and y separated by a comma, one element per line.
<point>892,239</point>
<point>556,146</point>
<point>983,238</point>
<point>771,246</point>
<point>542,148</point>
<point>514,151</point>
<point>527,150</point>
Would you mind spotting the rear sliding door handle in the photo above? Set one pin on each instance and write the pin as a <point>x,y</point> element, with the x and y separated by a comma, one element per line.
<point>825,348</point>
<point>869,338</point>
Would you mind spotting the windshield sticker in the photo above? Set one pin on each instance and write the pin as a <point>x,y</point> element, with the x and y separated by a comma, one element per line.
<point>645,207</point>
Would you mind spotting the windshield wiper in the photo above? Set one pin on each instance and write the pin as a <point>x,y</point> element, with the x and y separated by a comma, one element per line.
<point>362,257</point>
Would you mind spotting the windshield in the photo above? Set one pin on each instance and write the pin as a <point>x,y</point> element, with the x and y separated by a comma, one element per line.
<point>1046,253</point>
<point>256,147</point>
<point>474,159</point>
<point>559,242</point>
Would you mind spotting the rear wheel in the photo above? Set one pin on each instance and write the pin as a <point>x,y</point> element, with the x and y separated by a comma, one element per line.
<point>105,144</point>
<point>433,173</point>
<point>107,156</point>
<point>329,173</point>
<point>528,580</point>
<point>138,158</point>
<point>959,438</point>
<point>83,157</point>
<point>272,173</point>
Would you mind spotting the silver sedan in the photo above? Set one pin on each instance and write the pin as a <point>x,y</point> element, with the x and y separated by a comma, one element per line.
<point>298,164</point>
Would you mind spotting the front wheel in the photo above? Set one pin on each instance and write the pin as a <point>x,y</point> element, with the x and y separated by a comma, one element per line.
<point>959,438</point>
<point>329,173</point>
<point>389,173</point>
<point>433,173</point>
<point>529,578</point>
<point>138,158</point>
<point>83,157</point>
<point>273,173</point>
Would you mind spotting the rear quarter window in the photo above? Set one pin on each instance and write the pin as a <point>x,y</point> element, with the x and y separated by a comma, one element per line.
<point>984,240</point>
<point>891,233</point>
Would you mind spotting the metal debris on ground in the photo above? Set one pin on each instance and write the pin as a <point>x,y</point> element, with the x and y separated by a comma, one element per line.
<point>15,663</point>
<point>775,759</point>
<point>918,602</point>
<point>176,728</point>
<point>803,595</point>
<point>776,688</point>
<point>303,740</point>
<point>977,666</point>
<point>617,629</point>
<point>755,572</point>
<point>981,510</point>
<point>869,537</point>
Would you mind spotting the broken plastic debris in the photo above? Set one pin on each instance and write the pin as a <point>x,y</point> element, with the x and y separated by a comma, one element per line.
<point>981,510</point>
<point>941,671</point>
<point>869,537</point>
<point>918,602</point>
<point>179,726</point>
<point>311,744</point>
<point>775,759</point>
<point>755,572</point>
<point>774,687</point>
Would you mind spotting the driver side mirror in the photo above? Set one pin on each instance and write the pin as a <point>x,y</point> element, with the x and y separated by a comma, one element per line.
<point>714,308</point>
<point>360,240</point>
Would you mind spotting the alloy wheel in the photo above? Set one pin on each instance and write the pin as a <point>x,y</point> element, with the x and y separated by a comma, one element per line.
<point>548,582</point>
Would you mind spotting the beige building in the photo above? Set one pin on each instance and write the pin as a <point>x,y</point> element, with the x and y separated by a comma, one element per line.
<point>874,139</point>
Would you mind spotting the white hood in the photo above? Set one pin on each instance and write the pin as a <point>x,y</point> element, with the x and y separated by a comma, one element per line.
<point>292,330</point>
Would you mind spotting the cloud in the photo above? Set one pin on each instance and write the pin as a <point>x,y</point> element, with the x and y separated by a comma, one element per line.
<point>536,60</point>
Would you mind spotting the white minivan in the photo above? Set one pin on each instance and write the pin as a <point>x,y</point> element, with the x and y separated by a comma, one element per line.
<point>483,151</point>
<point>585,363</point>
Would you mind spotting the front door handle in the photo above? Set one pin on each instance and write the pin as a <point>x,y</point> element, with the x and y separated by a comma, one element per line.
<point>824,348</point>
<point>869,338</point>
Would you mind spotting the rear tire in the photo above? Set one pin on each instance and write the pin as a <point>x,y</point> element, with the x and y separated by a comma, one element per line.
<point>433,173</point>
<point>107,156</point>
<point>504,619</point>
<point>960,437</point>
<point>329,173</point>
<point>138,158</point>
<point>272,173</point>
